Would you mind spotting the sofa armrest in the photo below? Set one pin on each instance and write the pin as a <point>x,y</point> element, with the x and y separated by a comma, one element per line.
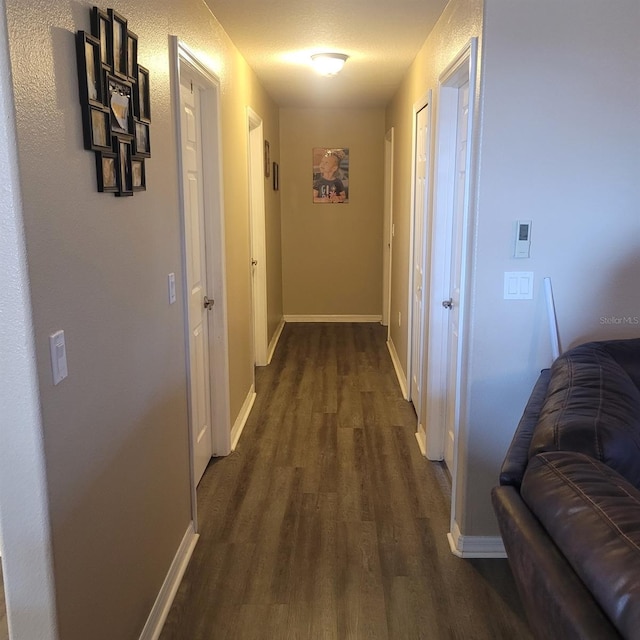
<point>517,457</point>
<point>557,603</point>
<point>593,515</point>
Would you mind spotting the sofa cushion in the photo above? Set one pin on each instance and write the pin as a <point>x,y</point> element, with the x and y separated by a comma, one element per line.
<point>593,516</point>
<point>593,406</point>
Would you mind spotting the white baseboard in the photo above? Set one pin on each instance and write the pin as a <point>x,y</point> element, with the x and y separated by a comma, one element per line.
<point>475,546</point>
<point>274,340</point>
<point>167,593</point>
<point>331,318</point>
<point>421,437</point>
<point>402,378</point>
<point>243,416</point>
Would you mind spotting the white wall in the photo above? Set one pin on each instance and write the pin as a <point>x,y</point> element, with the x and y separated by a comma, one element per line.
<point>560,139</point>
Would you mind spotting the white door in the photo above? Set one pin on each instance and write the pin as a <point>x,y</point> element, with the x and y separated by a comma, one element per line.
<point>257,159</point>
<point>198,306</point>
<point>420,215</point>
<point>387,229</point>
<point>455,273</point>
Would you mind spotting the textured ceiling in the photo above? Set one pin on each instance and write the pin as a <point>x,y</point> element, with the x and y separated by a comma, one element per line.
<point>381,38</point>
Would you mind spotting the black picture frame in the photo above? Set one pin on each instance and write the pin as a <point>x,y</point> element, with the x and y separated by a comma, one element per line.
<point>132,56</point>
<point>102,29</point>
<point>119,43</point>
<point>138,174</point>
<point>142,142</point>
<point>89,69</point>
<point>120,101</point>
<point>107,172</point>
<point>122,147</point>
<point>142,98</point>
<point>97,129</point>
<point>116,112</point>
<point>276,176</point>
<point>267,159</point>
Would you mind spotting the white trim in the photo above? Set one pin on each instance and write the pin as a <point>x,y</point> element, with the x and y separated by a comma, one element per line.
<point>332,318</point>
<point>475,546</point>
<point>242,418</point>
<point>421,437</point>
<point>422,103</point>
<point>274,340</point>
<point>257,233</point>
<point>162,605</point>
<point>216,261</point>
<point>402,380</point>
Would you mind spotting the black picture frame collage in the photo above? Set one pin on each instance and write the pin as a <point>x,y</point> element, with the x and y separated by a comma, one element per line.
<point>116,105</point>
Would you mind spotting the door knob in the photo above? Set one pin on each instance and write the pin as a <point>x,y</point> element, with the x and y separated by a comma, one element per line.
<point>208,304</point>
<point>254,262</point>
<point>447,304</point>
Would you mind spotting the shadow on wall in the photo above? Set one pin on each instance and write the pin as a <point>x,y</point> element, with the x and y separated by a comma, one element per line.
<point>611,309</point>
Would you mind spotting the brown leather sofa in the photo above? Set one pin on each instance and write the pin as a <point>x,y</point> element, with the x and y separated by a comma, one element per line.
<point>568,504</point>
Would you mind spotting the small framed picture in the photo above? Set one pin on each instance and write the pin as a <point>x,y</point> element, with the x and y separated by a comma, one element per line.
<point>89,69</point>
<point>97,135</point>
<point>119,43</point>
<point>107,171</point>
<point>132,56</point>
<point>143,101</point>
<point>120,94</point>
<point>267,159</point>
<point>276,176</point>
<point>125,187</point>
<point>138,176</point>
<point>101,28</point>
<point>141,139</point>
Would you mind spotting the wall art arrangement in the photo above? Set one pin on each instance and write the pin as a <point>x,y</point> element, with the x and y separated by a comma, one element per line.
<point>116,107</point>
<point>330,176</point>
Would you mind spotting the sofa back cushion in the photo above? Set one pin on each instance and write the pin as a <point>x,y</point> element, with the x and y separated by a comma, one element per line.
<point>592,406</point>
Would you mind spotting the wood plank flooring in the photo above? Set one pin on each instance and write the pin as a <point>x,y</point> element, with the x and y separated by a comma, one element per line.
<point>326,523</point>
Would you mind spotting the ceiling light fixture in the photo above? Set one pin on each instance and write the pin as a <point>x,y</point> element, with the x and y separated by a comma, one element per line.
<point>328,64</point>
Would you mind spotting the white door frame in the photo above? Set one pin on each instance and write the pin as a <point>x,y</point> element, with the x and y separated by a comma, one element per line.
<point>387,235</point>
<point>463,69</point>
<point>424,102</point>
<point>215,249</point>
<point>257,228</point>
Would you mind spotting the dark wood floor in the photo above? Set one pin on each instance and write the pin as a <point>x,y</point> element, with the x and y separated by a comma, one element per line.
<point>326,522</point>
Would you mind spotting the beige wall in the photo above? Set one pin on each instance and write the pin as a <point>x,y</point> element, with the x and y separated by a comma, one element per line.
<point>332,254</point>
<point>460,21</point>
<point>115,431</point>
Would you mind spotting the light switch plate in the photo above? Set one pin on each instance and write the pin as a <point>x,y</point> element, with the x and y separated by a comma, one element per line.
<point>518,285</point>
<point>58,356</point>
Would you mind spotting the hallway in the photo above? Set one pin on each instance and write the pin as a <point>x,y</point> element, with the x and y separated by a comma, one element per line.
<point>326,522</point>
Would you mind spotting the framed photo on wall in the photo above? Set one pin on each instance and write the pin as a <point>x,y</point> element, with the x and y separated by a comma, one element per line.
<point>267,159</point>
<point>89,69</point>
<point>119,43</point>
<point>101,28</point>
<point>138,177</point>
<point>330,175</point>
<point>107,172</point>
<point>116,103</point>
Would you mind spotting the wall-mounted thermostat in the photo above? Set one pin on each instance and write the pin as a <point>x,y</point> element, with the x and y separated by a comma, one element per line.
<point>523,239</point>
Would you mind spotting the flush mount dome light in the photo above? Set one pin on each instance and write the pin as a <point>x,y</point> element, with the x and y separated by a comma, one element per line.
<point>328,64</point>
